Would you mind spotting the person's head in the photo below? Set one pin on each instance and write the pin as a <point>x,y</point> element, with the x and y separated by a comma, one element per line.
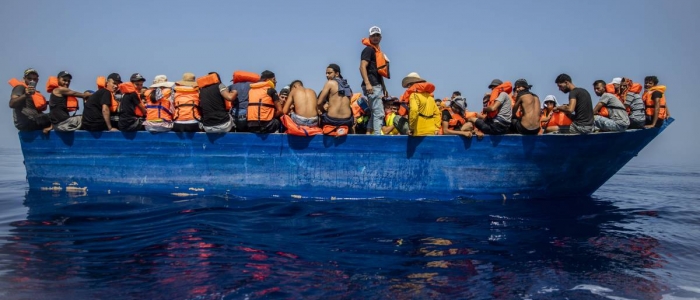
<point>550,102</point>
<point>650,81</point>
<point>616,83</point>
<point>521,85</point>
<point>64,78</point>
<point>30,75</point>
<point>268,75</point>
<point>486,99</point>
<point>599,87</point>
<point>333,71</point>
<point>375,35</point>
<point>563,82</point>
<point>138,80</point>
<point>456,94</point>
<point>113,81</point>
<point>411,79</point>
<point>459,105</point>
<point>296,84</point>
<point>494,83</point>
<point>284,93</point>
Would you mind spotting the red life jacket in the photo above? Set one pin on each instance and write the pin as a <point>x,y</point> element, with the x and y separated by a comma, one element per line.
<point>505,87</point>
<point>71,101</point>
<point>382,64</point>
<point>38,99</point>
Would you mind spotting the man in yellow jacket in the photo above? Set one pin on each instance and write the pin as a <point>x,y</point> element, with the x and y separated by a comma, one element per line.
<point>423,113</point>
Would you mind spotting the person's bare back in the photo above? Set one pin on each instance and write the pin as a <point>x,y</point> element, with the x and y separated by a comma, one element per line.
<point>304,102</point>
<point>531,111</point>
<point>338,106</point>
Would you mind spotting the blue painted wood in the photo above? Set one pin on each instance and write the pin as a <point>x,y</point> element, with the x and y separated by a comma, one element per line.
<point>356,166</point>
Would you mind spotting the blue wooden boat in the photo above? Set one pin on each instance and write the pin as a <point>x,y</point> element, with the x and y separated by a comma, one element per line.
<point>245,165</point>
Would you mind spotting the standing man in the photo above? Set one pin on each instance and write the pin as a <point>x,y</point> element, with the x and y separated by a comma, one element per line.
<point>580,105</point>
<point>97,107</point>
<point>614,117</point>
<point>374,67</point>
<point>654,102</point>
<point>529,122</point>
<point>24,101</point>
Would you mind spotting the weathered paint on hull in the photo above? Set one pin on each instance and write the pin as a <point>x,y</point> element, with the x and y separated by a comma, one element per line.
<point>357,166</point>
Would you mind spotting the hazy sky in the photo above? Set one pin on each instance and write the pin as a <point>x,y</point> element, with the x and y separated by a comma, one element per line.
<point>457,45</point>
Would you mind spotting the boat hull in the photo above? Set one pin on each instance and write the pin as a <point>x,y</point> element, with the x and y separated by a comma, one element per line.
<point>244,165</point>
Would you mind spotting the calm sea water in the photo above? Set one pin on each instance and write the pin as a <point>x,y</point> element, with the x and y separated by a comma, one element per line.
<point>638,237</point>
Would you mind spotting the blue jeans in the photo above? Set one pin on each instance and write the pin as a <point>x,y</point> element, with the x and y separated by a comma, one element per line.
<point>376,106</point>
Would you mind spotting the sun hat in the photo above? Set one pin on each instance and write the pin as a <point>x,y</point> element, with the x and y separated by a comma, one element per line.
<point>188,79</point>
<point>412,77</point>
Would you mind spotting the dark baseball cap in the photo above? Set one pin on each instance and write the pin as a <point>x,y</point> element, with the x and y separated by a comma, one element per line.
<point>495,82</point>
<point>136,77</point>
<point>64,74</point>
<point>115,77</point>
<point>30,71</point>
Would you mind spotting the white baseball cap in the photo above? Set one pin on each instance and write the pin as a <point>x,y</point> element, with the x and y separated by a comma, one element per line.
<point>616,80</point>
<point>375,30</point>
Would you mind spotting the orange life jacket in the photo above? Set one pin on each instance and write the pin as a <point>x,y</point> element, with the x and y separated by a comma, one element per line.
<point>208,80</point>
<point>557,119</point>
<point>382,64</point>
<point>102,84</point>
<point>299,130</point>
<point>470,114</point>
<point>261,107</point>
<point>245,76</point>
<point>456,121</point>
<point>649,102</point>
<point>505,87</point>
<point>71,101</point>
<point>421,87</point>
<point>161,109</point>
<point>39,101</point>
<point>127,88</point>
<point>336,131</point>
<point>186,104</point>
<point>357,111</point>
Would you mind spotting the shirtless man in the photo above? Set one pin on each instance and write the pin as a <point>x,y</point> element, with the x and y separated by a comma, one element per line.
<point>304,102</point>
<point>529,123</point>
<point>337,93</point>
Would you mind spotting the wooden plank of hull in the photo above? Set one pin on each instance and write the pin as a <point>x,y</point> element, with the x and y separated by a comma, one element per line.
<point>357,166</point>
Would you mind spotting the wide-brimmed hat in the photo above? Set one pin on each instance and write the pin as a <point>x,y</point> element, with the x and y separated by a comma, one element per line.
<point>160,78</point>
<point>167,84</point>
<point>412,77</point>
<point>188,79</point>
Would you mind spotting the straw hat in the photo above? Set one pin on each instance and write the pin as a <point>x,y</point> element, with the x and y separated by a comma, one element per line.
<point>412,77</point>
<point>188,79</point>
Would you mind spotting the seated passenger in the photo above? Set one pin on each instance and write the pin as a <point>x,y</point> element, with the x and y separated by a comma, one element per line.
<point>239,106</point>
<point>553,121</point>
<point>610,113</point>
<point>580,105</point>
<point>132,109</point>
<point>303,100</point>
<point>394,124</point>
<point>96,114</point>
<point>28,104</point>
<point>62,101</point>
<point>361,112</point>
<point>337,119</point>
<point>497,114</point>
<point>159,113</point>
<point>633,103</point>
<point>423,114</point>
<point>186,114</point>
<point>284,94</point>
<point>527,122</point>
<point>264,107</point>
<point>654,102</point>
<point>212,100</point>
<point>454,121</point>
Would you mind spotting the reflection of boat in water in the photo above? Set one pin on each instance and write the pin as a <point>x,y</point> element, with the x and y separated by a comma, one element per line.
<point>354,166</point>
<point>167,247</point>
